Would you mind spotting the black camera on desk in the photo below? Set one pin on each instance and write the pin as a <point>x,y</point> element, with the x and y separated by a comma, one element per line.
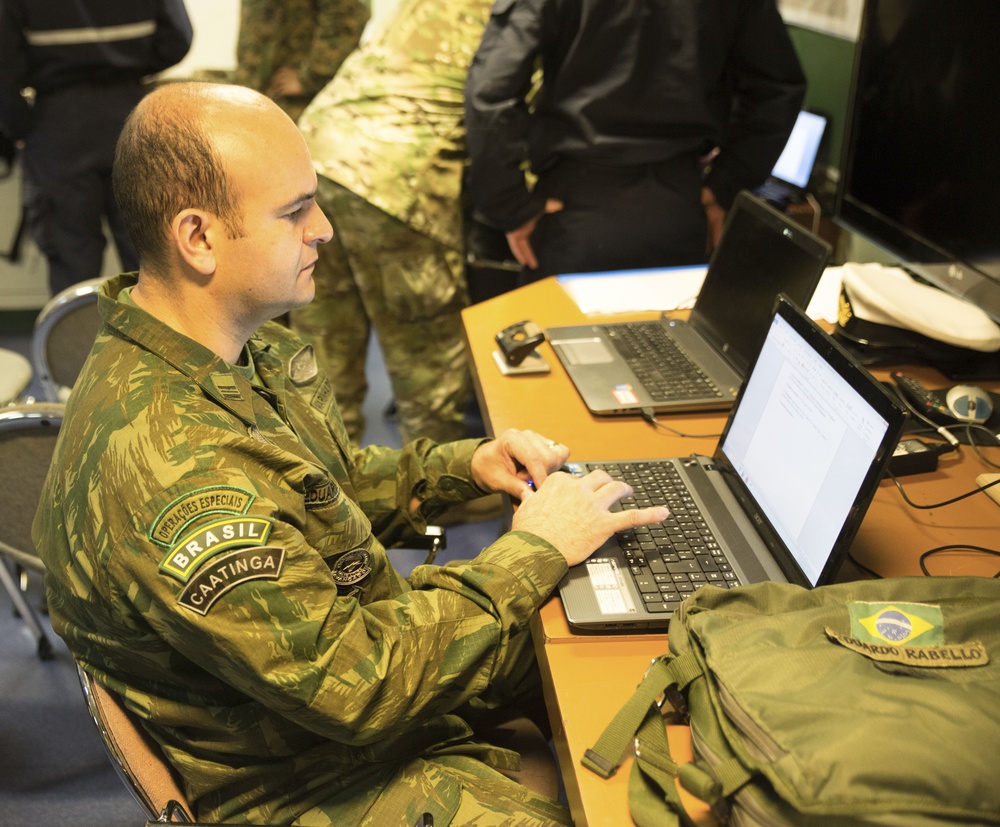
<point>517,353</point>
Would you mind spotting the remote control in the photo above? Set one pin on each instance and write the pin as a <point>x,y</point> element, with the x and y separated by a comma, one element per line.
<point>922,398</point>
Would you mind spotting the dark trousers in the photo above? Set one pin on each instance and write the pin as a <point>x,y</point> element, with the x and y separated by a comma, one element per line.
<point>67,159</point>
<point>620,217</point>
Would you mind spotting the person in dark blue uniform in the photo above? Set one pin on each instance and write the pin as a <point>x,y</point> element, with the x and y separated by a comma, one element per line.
<point>636,96</point>
<point>86,61</point>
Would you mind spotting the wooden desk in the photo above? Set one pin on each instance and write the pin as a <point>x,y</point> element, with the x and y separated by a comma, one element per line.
<point>588,677</point>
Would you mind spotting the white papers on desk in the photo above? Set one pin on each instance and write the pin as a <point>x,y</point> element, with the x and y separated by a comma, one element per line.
<point>633,291</point>
<point>670,288</point>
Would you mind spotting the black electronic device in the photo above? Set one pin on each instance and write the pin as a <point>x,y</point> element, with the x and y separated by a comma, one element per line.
<point>518,340</point>
<point>924,400</point>
<point>918,176</point>
<point>913,456</point>
<point>517,354</point>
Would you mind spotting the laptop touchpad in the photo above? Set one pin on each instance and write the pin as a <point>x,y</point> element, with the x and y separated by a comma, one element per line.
<point>585,351</point>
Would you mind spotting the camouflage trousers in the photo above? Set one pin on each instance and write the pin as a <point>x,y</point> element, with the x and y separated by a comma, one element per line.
<point>454,783</point>
<point>378,273</point>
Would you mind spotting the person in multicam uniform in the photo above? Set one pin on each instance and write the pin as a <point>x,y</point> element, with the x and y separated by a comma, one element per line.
<point>215,544</point>
<point>387,139</point>
<point>290,49</point>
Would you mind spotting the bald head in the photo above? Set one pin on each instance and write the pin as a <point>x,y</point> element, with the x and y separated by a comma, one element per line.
<point>174,153</point>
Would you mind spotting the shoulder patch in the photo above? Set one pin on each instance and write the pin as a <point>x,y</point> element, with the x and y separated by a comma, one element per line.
<point>195,548</point>
<point>320,491</point>
<point>351,568</point>
<point>302,366</point>
<point>226,572</point>
<point>223,499</point>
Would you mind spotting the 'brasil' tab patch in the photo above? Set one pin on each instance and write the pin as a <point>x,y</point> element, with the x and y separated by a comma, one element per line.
<point>191,551</point>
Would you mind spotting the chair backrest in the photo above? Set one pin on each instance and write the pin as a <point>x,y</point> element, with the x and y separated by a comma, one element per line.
<point>28,435</point>
<point>64,334</point>
<point>136,757</point>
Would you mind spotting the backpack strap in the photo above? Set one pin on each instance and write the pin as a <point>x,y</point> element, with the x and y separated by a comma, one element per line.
<point>663,673</point>
<point>651,784</point>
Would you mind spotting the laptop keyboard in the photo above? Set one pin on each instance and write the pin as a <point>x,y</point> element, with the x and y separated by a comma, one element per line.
<point>668,560</point>
<point>666,372</point>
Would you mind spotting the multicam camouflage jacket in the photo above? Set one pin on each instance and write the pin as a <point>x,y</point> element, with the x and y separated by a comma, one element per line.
<point>389,127</point>
<point>215,553</point>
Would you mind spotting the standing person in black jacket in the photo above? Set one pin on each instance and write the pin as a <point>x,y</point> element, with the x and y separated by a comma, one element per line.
<point>86,61</point>
<point>651,116</point>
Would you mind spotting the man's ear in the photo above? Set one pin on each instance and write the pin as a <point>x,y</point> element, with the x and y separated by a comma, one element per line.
<point>192,232</point>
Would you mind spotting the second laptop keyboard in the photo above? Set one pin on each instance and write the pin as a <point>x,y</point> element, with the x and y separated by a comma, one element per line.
<point>668,560</point>
<point>664,369</point>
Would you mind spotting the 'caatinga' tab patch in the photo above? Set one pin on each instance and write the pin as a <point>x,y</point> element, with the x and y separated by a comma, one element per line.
<point>192,550</point>
<point>227,571</point>
<point>224,499</point>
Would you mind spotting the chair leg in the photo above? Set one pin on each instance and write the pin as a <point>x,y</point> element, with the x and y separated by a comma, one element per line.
<point>27,615</point>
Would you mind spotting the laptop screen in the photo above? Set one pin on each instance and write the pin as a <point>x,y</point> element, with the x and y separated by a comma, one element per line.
<point>795,164</point>
<point>804,440</point>
<point>762,253</point>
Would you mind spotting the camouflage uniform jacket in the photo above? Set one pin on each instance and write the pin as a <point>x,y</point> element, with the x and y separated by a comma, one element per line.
<point>389,127</point>
<point>310,36</point>
<point>215,553</point>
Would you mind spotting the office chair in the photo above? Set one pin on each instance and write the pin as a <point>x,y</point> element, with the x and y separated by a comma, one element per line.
<point>63,336</point>
<point>136,757</point>
<point>27,439</point>
<point>153,782</point>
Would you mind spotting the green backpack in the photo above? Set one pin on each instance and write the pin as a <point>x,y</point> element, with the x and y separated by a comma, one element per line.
<point>869,703</point>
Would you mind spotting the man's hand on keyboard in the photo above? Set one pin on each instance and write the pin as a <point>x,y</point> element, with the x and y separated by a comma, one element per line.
<point>573,513</point>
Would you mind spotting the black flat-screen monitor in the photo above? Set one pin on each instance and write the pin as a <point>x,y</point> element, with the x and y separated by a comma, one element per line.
<point>920,174</point>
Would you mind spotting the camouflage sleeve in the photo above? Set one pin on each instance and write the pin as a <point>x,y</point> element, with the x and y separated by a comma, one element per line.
<point>255,44</point>
<point>387,480</point>
<point>337,30</point>
<point>288,599</point>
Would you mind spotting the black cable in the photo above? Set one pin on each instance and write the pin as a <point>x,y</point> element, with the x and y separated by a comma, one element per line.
<point>939,429</point>
<point>863,567</point>
<point>956,547</point>
<point>977,490</point>
<point>969,427</point>
<point>944,431</point>
<point>650,417</point>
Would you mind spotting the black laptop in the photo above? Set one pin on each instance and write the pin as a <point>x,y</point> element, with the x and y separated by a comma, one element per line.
<point>781,498</point>
<point>666,365</point>
<point>789,180</point>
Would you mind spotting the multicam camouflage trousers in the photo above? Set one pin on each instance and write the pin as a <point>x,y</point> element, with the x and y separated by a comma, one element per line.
<point>378,273</point>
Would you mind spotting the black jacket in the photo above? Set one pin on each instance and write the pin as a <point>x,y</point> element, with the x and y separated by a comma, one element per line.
<point>627,82</point>
<point>51,45</point>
